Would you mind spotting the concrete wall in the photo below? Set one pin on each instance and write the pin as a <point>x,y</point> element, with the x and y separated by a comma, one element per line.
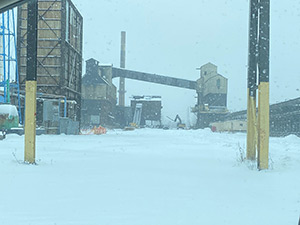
<point>216,84</point>
<point>94,92</point>
<point>97,112</point>
<point>210,82</point>
<point>208,70</point>
<point>106,73</point>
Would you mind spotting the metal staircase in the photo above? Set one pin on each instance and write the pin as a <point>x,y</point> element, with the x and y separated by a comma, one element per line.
<point>137,115</point>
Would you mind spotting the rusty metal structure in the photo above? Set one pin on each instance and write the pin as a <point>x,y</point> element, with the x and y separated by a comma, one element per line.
<point>59,53</point>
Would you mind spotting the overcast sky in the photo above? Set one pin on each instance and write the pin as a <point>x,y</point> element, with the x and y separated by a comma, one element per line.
<point>174,37</point>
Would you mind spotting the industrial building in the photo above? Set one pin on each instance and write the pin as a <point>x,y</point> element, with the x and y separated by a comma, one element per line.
<point>284,117</point>
<point>99,100</point>
<point>150,109</point>
<point>212,96</point>
<point>211,90</point>
<point>59,53</point>
<point>62,92</point>
<point>98,95</point>
<point>213,87</point>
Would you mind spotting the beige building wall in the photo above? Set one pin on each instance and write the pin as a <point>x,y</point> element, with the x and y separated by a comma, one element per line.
<point>208,70</point>
<point>230,126</point>
<point>210,81</point>
<point>216,85</point>
<point>99,92</point>
<point>94,92</point>
<point>112,93</point>
<point>106,73</point>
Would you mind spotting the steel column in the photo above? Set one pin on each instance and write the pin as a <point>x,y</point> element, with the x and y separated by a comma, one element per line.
<point>259,45</point>
<point>4,61</point>
<point>9,59</point>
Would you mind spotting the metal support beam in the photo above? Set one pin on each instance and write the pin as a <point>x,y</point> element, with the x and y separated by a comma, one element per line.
<point>252,80</point>
<point>154,78</point>
<point>263,87</point>
<point>122,65</point>
<point>31,83</point>
<point>259,45</point>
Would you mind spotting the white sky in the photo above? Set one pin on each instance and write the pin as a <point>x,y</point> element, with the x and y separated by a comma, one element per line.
<point>174,37</point>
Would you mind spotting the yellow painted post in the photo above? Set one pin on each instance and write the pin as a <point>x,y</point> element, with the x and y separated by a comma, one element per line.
<point>251,128</point>
<point>31,82</point>
<point>252,81</point>
<point>263,85</point>
<point>263,125</point>
<point>30,121</point>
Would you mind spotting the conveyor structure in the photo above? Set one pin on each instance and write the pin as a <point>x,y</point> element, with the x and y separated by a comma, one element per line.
<point>154,78</point>
<point>211,87</point>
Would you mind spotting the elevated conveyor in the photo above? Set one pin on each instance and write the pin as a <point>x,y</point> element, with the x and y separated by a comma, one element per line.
<point>154,78</point>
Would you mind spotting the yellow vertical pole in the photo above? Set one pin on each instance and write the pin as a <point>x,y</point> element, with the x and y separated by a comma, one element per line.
<point>251,128</point>
<point>263,86</point>
<point>31,82</point>
<point>263,125</point>
<point>30,121</point>
<point>252,81</point>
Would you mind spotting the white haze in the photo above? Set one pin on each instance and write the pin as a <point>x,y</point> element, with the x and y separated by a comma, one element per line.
<point>174,37</point>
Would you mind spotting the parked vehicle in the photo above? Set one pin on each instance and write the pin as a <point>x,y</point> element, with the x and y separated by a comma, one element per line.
<point>9,117</point>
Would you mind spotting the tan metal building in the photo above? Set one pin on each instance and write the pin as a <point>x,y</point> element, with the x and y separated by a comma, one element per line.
<point>212,86</point>
<point>59,41</point>
<point>212,90</point>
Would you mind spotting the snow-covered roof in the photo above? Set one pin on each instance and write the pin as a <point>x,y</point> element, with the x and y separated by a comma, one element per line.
<point>146,98</point>
<point>105,64</point>
<point>8,109</point>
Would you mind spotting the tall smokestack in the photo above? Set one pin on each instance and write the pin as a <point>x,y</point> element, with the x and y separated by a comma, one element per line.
<point>122,65</point>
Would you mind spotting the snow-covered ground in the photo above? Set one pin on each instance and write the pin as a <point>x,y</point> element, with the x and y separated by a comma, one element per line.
<point>148,177</point>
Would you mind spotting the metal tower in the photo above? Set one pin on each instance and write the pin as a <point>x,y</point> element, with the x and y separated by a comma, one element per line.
<point>9,76</point>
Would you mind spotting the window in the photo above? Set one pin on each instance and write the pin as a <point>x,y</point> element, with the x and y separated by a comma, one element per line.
<point>218,83</point>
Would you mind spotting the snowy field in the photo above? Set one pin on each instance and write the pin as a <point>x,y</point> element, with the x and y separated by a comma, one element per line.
<point>148,177</point>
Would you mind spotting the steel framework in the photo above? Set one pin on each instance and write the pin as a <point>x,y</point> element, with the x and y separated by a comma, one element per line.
<point>9,74</point>
<point>59,63</point>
